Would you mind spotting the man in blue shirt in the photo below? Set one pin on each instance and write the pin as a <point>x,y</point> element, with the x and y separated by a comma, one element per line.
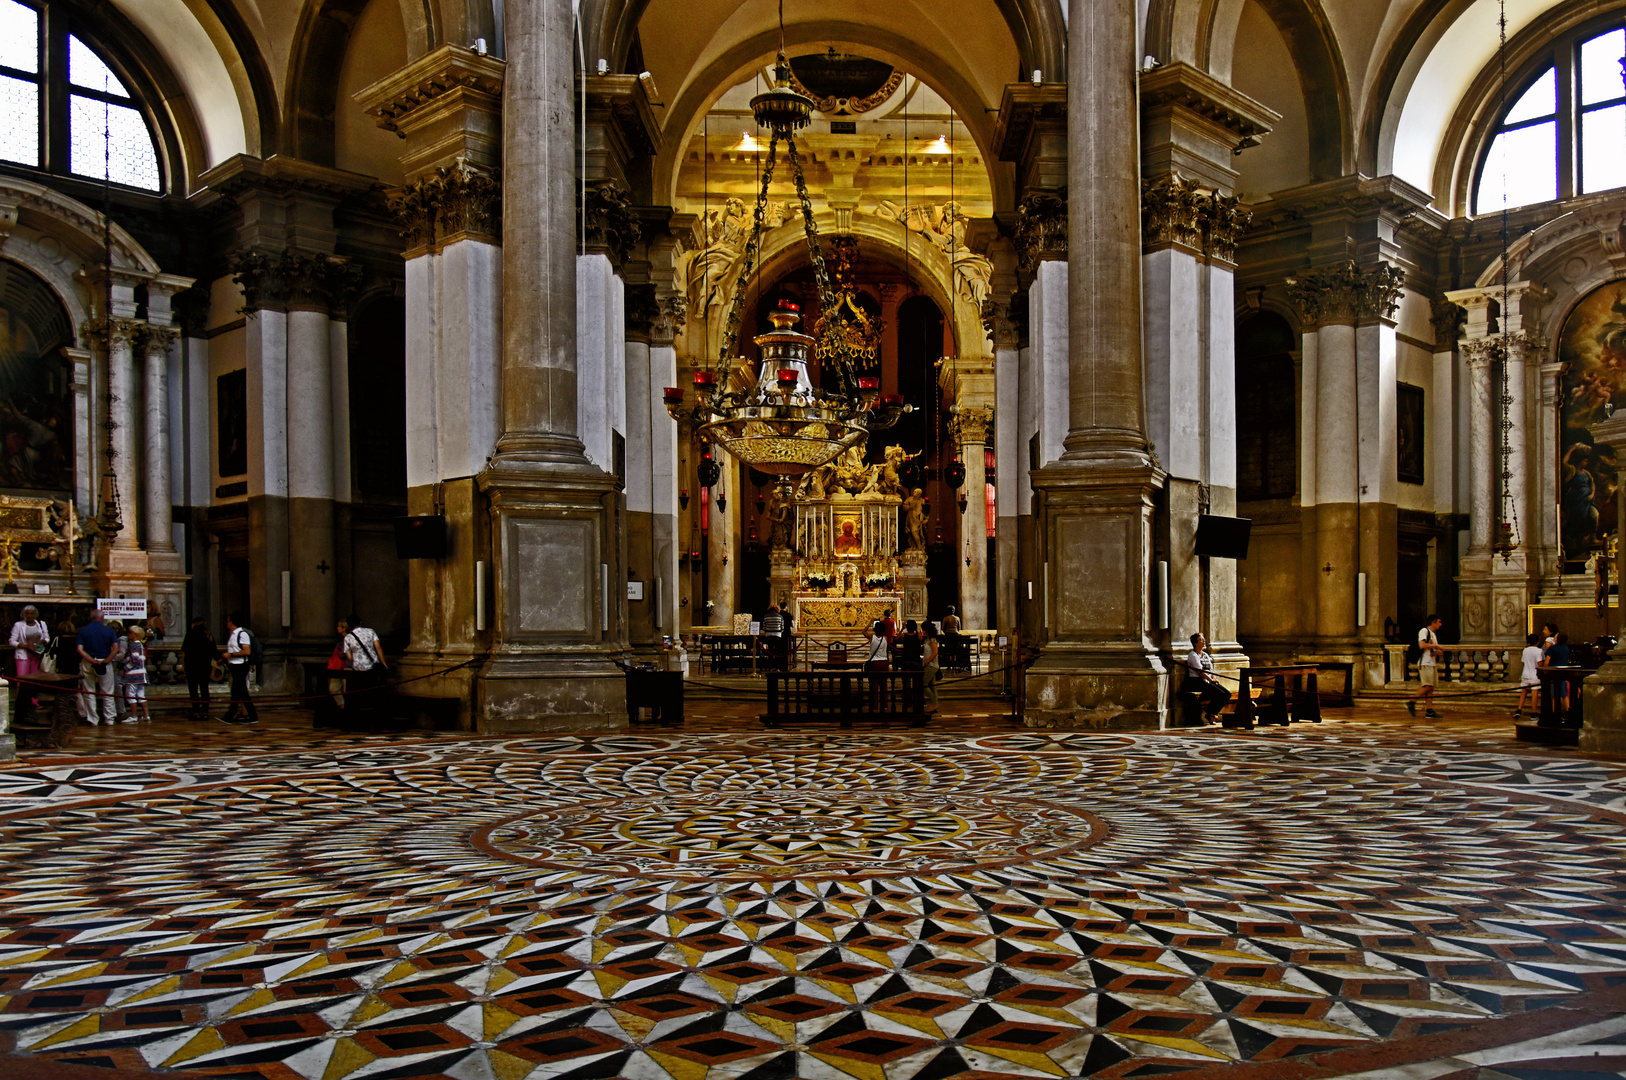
<point>95,642</point>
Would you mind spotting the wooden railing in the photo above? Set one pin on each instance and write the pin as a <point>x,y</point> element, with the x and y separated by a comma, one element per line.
<point>1461,663</point>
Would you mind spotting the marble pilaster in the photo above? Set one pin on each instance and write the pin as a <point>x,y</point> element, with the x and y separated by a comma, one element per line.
<point>970,426</point>
<point>157,515</point>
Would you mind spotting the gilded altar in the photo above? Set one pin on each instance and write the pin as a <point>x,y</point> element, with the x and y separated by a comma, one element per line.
<point>818,615</point>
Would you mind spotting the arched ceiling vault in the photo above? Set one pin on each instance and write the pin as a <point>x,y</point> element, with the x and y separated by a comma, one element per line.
<point>684,116</point>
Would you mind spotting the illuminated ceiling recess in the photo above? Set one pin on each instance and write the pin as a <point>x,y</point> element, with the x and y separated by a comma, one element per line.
<point>774,419</point>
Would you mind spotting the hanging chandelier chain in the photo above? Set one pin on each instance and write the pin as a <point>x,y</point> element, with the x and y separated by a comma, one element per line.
<point>1507,531</point>
<point>737,310</point>
<point>828,302</point>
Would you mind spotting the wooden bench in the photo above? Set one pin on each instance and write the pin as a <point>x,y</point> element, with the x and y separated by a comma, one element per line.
<point>846,697</point>
<point>660,692</point>
<point>1292,695</point>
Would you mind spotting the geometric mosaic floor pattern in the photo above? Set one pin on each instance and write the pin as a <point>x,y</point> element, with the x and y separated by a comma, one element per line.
<point>914,906</point>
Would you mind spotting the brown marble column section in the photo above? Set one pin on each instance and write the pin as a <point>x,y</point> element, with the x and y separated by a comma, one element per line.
<point>539,243</point>
<point>1105,400</point>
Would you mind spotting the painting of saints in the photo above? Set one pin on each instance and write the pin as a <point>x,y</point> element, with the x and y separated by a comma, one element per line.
<point>1592,349</point>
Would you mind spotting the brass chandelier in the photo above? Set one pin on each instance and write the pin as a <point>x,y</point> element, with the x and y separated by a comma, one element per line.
<point>773,418</point>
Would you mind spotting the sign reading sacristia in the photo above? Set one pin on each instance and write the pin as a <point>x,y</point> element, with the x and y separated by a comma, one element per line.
<point>122,609</point>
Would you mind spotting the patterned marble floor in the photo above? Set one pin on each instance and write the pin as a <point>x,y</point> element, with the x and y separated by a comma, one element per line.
<point>1369,896</point>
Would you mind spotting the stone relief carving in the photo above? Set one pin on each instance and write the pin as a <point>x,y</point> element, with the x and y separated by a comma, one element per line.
<point>1347,293</point>
<point>611,226</point>
<point>724,231</point>
<point>944,225</point>
<point>1041,228</point>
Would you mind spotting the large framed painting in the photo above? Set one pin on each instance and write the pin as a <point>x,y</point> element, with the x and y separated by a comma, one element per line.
<point>1592,350</point>
<point>1409,403</point>
<point>36,385</point>
<point>231,419</point>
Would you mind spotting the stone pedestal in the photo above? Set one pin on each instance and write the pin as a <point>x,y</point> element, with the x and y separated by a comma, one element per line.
<point>912,582</point>
<point>781,575</point>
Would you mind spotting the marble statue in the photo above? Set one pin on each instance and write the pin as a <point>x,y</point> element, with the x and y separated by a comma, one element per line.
<point>914,521</point>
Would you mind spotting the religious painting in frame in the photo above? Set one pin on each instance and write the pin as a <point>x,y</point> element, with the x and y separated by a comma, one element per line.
<point>231,419</point>
<point>1592,352</point>
<point>36,385</point>
<point>849,534</point>
<point>1409,416</point>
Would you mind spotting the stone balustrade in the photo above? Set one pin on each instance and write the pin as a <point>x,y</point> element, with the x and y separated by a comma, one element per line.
<point>1460,664</point>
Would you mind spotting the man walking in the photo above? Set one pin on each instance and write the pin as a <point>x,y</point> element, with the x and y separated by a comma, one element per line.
<point>1428,671</point>
<point>96,678</point>
<point>198,654</point>
<point>239,646</point>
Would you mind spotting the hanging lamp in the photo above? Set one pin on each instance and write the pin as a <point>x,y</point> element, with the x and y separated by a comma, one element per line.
<point>773,418</point>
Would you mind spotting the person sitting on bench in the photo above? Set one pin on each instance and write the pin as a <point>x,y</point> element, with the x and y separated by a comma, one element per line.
<point>1201,681</point>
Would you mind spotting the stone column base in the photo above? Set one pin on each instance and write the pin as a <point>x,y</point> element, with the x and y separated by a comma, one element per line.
<point>560,599</point>
<point>1603,704</point>
<point>912,582</point>
<point>1077,691</point>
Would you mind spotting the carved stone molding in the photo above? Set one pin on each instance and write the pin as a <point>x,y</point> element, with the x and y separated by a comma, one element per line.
<point>447,105</point>
<point>1041,228</point>
<point>1347,293</point>
<point>1001,319</point>
<point>612,225</point>
<point>1448,319</point>
<point>292,279</point>
<point>158,339</point>
<point>1183,213</point>
<point>453,202</point>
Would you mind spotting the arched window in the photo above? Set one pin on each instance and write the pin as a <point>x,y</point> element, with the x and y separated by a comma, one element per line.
<point>64,107</point>
<point>1564,132</point>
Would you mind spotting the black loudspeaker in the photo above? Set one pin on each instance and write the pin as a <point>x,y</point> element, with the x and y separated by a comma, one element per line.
<point>1223,537</point>
<point>420,537</point>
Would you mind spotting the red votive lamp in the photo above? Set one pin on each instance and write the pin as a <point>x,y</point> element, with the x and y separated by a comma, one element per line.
<point>891,399</point>
<point>674,395</point>
<point>704,381</point>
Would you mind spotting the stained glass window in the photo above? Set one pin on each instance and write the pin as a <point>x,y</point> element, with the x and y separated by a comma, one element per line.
<point>1545,148</point>
<point>96,129</point>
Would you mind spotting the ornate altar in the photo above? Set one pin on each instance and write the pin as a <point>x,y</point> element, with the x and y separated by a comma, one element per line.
<point>844,568</point>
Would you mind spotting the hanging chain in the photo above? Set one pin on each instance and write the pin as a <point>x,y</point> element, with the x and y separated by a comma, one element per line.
<point>1507,529</point>
<point>828,304</point>
<point>737,309</point>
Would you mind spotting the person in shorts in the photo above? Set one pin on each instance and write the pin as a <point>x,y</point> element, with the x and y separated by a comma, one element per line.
<point>133,676</point>
<point>1428,670</point>
<point>1529,683</point>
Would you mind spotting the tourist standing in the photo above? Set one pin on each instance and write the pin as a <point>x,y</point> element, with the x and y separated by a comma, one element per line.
<point>94,645</point>
<point>29,641</point>
<point>366,661</point>
<point>930,665</point>
<point>239,647</point>
<point>1529,681</point>
<point>1428,644</point>
<point>198,655</point>
<point>134,675</point>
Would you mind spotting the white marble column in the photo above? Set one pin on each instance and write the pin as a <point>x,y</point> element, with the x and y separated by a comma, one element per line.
<point>1481,467</point>
<point>157,515</point>
<point>971,431</point>
<point>122,425</point>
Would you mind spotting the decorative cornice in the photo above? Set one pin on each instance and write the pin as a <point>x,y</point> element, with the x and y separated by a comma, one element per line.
<point>1040,234</point>
<point>1347,293</point>
<point>450,70</point>
<point>1353,197</point>
<point>1021,107</point>
<point>291,279</point>
<point>611,223</point>
<point>1179,212</point>
<point>1180,85</point>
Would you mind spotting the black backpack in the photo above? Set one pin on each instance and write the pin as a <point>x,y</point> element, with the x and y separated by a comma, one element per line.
<point>256,653</point>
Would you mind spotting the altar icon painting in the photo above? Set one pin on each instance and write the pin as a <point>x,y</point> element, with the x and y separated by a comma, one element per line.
<point>1592,349</point>
<point>849,534</point>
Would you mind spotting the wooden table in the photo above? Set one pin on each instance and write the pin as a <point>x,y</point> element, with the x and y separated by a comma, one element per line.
<point>1293,695</point>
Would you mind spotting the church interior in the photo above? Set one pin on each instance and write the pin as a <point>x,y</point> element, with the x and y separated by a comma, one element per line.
<point>777,540</point>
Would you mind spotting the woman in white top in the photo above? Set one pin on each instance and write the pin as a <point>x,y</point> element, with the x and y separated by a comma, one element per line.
<point>876,659</point>
<point>930,665</point>
<point>29,638</point>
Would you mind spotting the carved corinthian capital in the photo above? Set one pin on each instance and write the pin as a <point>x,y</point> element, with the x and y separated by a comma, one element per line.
<point>1347,293</point>
<point>1180,212</point>
<point>105,333</point>
<point>612,227</point>
<point>970,425</point>
<point>1041,228</point>
<point>454,202</point>
<point>156,340</point>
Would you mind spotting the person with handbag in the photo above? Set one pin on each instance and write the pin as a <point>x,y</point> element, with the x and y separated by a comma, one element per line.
<point>29,641</point>
<point>199,653</point>
<point>876,659</point>
<point>365,661</point>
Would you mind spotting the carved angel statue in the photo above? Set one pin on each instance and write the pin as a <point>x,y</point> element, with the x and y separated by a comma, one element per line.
<point>709,270</point>
<point>914,521</point>
<point>884,477</point>
<point>852,475</point>
<point>812,487</point>
<point>945,227</point>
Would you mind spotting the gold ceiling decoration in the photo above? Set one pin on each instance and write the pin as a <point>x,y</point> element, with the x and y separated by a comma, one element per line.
<point>841,84</point>
<point>846,328</point>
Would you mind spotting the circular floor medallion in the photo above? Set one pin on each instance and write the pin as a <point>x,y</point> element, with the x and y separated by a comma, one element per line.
<point>791,835</point>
